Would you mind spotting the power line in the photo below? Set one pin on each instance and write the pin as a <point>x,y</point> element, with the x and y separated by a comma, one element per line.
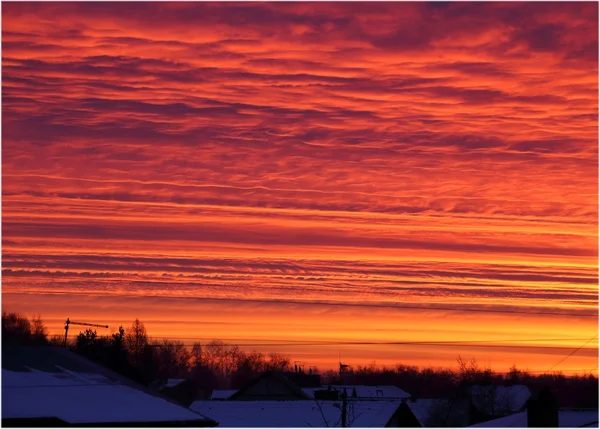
<point>406,343</point>
<point>583,370</point>
<point>572,353</point>
<point>331,342</point>
<point>299,343</point>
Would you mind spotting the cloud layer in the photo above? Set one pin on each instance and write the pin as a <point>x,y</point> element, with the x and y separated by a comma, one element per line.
<point>383,154</point>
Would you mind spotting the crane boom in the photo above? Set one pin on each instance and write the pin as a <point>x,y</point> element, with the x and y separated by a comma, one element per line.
<point>88,324</point>
<point>68,322</point>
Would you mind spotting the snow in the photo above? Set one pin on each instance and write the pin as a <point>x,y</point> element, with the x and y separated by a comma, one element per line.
<point>384,392</point>
<point>514,420</point>
<point>222,393</point>
<point>578,418</point>
<point>83,398</point>
<point>372,392</point>
<point>172,382</point>
<point>566,418</point>
<point>297,413</point>
<point>422,409</point>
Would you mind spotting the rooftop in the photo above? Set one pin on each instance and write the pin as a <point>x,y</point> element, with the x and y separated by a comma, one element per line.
<point>297,413</point>
<point>384,392</point>
<point>566,418</point>
<point>222,393</point>
<point>77,391</point>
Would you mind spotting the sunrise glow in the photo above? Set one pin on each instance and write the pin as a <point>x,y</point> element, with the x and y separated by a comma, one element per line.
<point>271,173</point>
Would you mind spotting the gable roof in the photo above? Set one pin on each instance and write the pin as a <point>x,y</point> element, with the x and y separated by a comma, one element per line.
<point>421,409</point>
<point>566,418</point>
<point>278,377</point>
<point>375,392</point>
<point>366,413</point>
<point>56,383</point>
<point>220,394</point>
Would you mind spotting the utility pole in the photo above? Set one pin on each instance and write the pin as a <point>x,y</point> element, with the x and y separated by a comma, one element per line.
<point>344,410</point>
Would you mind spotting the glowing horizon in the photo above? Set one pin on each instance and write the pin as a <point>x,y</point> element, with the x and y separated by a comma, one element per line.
<point>334,171</point>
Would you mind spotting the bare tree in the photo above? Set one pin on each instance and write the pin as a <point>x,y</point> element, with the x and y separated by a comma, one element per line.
<point>136,341</point>
<point>351,415</point>
<point>467,371</point>
<point>319,407</point>
<point>196,355</point>
<point>173,359</point>
<point>39,332</point>
<point>214,356</point>
<point>278,362</point>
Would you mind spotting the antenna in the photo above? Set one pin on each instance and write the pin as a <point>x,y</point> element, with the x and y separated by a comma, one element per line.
<point>343,367</point>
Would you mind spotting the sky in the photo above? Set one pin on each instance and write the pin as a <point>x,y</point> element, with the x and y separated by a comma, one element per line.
<point>295,177</point>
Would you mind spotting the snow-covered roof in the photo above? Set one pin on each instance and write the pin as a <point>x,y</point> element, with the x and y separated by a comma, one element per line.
<point>222,393</point>
<point>500,399</point>
<point>578,418</point>
<point>428,411</point>
<point>83,398</point>
<point>422,409</point>
<point>566,418</point>
<point>172,382</point>
<point>305,413</point>
<point>384,392</point>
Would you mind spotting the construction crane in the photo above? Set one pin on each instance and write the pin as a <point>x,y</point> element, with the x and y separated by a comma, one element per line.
<point>68,322</point>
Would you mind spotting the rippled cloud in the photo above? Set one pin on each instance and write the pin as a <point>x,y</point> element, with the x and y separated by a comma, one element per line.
<point>421,153</point>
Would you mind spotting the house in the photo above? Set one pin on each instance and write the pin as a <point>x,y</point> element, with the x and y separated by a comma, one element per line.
<point>303,379</point>
<point>479,403</point>
<point>543,411</point>
<point>271,385</point>
<point>50,386</point>
<point>357,391</point>
<point>293,413</point>
<point>567,417</point>
<point>180,390</point>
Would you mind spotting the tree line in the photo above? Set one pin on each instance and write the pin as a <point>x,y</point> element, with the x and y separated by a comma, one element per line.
<point>216,365</point>
<point>575,390</point>
<point>133,354</point>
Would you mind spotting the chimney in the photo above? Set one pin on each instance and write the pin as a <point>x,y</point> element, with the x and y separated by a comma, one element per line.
<point>543,411</point>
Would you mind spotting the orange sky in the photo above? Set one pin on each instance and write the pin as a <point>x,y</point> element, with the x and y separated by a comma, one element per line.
<point>285,172</point>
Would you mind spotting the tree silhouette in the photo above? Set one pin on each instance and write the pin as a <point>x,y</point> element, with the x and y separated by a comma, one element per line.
<point>39,333</point>
<point>196,355</point>
<point>86,340</point>
<point>18,330</point>
<point>136,342</point>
